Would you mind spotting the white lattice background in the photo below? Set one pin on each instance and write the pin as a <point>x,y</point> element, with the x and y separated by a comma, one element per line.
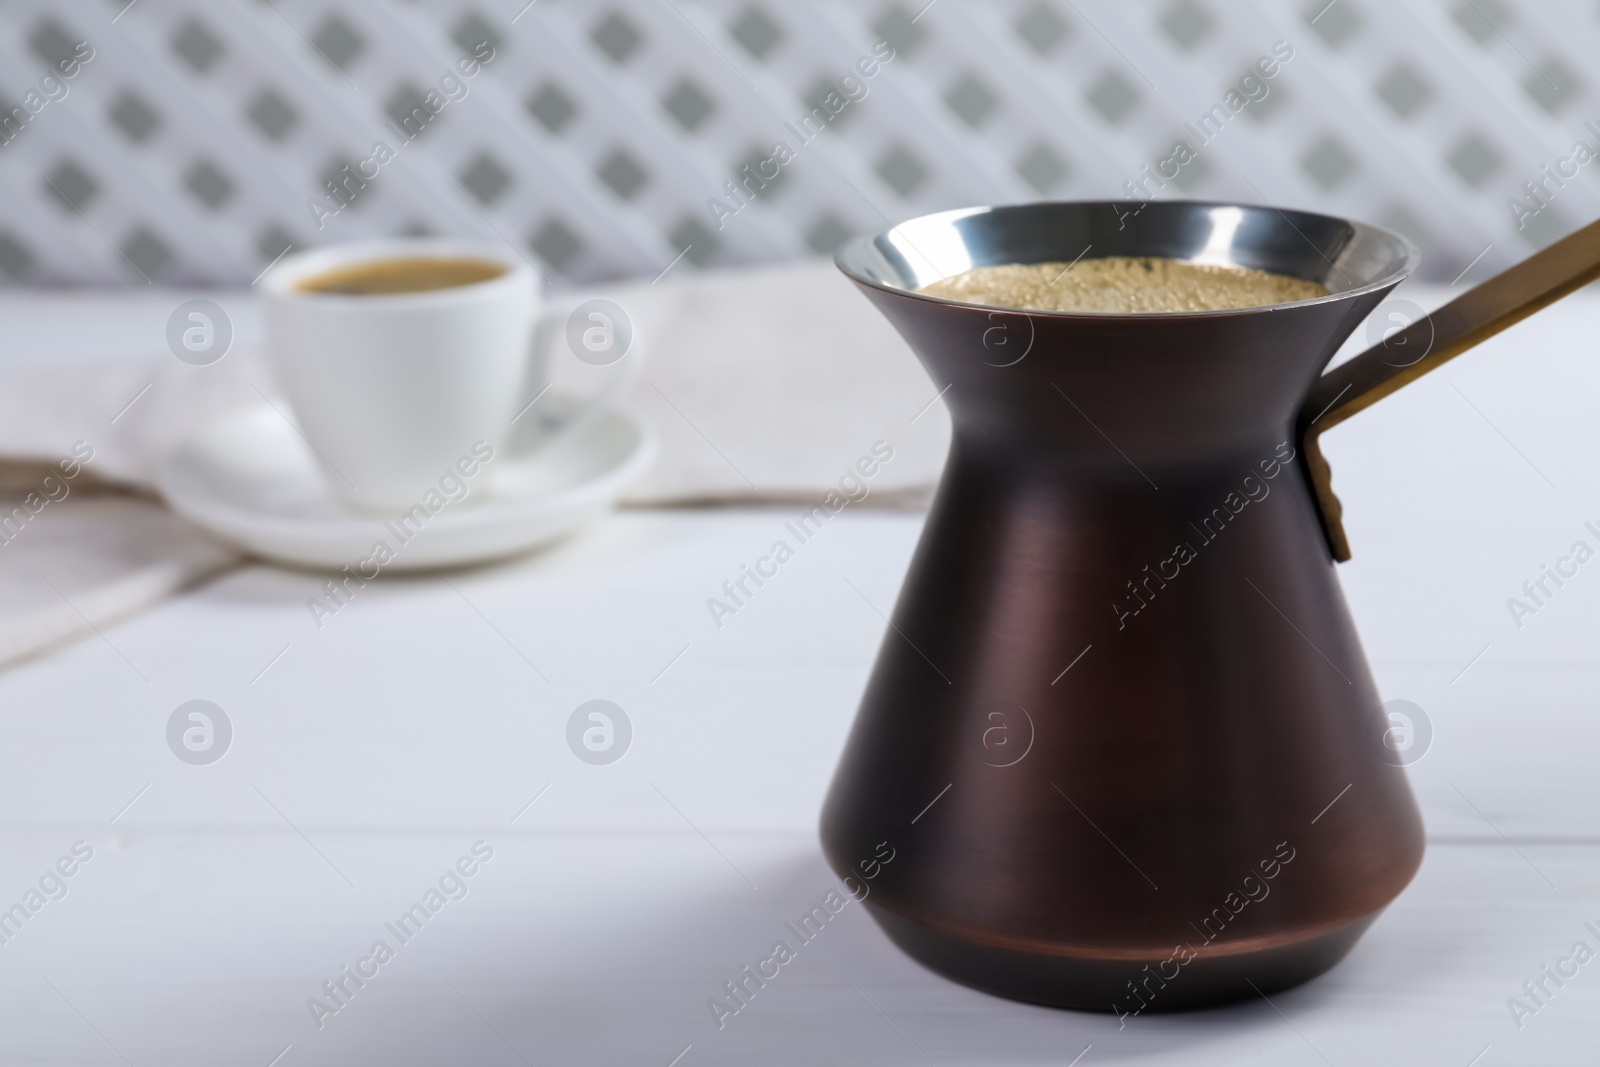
<point>189,147</point>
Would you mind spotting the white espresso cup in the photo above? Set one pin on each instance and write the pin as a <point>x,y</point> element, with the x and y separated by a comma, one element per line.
<point>391,390</point>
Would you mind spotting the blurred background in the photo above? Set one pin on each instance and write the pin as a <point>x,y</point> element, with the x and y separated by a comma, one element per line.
<point>199,141</point>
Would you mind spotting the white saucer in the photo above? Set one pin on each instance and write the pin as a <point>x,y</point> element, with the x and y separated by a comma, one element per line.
<point>251,480</point>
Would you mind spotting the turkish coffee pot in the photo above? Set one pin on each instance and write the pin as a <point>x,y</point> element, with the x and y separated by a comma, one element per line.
<point>1121,734</point>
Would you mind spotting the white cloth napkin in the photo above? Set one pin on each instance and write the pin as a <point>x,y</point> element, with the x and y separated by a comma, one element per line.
<point>763,384</point>
<point>83,561</point>
<point>771,383</point>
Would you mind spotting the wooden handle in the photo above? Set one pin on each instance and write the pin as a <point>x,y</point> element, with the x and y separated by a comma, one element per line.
<point>1480,313</point>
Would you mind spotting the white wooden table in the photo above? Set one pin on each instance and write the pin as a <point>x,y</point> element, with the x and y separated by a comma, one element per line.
<point>370,755</point>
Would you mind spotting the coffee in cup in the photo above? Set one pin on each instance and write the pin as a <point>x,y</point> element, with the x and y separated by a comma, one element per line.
<point>408,274</point>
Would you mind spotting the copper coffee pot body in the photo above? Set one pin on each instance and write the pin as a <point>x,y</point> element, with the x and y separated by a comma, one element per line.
<point>1121,735</point>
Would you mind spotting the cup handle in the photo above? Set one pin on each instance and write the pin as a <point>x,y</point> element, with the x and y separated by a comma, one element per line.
<point>599,335</point>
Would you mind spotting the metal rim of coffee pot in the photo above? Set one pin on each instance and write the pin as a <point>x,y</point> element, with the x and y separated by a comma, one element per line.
<point>1349,258</point>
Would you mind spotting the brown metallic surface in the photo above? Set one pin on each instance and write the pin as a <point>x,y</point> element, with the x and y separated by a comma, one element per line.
<point>1193,741</point>
<point>1157,982</point>
<point>1502,301</point>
